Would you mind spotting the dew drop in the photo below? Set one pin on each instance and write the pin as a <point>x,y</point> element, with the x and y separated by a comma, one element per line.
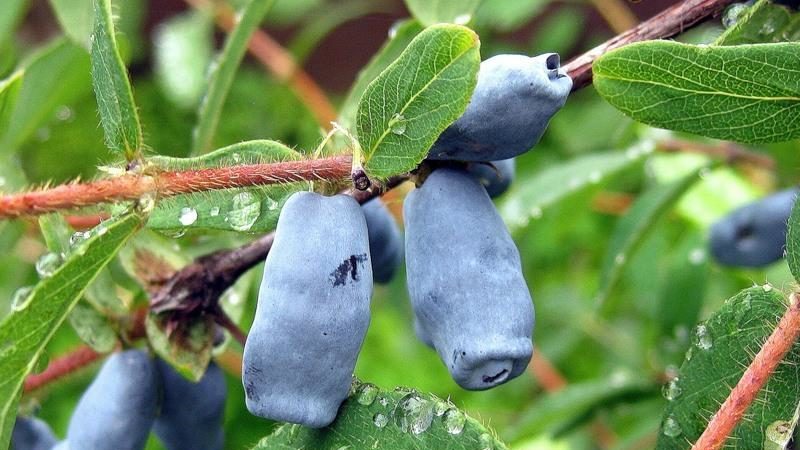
<point>244,212</point>
<point>366,394</point>
<point>619,259</point>
<point>672,390</point>
<point>702,337</point>
<point>671,428</point>
<point>383,401</point>
<point>394,28</point>
<point>188,216</point>
<point>237,158</point>
<point>214,211</point>
<point>697,256</point>
<point>689,354</point>
<point>78,238</point>
<point>767,28</point>
<point>272,205</point>
<point>536,212</point>
<point>454,421</point>
<point>21,298</point>
<point>462,19</point>
<point>486,442</point>
<point>441,408</point>
<point>414,414</point>
<point>732,14</point>
<point>767,287</point>
<point>397,124</point>
<point>48,263</point>
<point>380,420</point>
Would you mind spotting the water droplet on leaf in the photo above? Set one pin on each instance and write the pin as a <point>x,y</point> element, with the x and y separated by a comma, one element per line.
<point>414,414</point>
<point>671,428</point>
<point>702,337</point>
<point>366,394</point>
<point>380,420</point>
<point>48,263</point>
<point>462,19</point>
<point>244,212</point>
<point>672,390</point>
<point>732,14</point>
<point>188,216</point>
<point>21,298</point>
<point>214,211</point>
<point>397,124</point>
<point>454,421</point>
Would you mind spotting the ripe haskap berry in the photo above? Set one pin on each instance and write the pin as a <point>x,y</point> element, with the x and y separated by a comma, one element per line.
<point>495,176</point>
<point>385,240</point>
<point>31,433</point>
<point>465,281</point>
<point>755,234</point>
<point>191,414</point>
<point>512,104</point>
<point>312,313</point>
<point>118,409</point>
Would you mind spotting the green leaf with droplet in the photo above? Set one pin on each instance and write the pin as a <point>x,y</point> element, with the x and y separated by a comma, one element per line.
<point>399,419</point>
<point>404,109</point>
<point>431,12</point>
<point>112,88</point>
<point>75,18</point>
<point>744,93</point>
<point>762,22</point>
<point>245,210</point>
<point>635,226</point>
<point>530,197</point>
<point>722,348</point>
<point>400,36</point>
<point>9,92</point>
<point>93,328</point>
<point>222,72</point>
<point>793,241</point>
<point>25,332</point>
<point>187,347</point>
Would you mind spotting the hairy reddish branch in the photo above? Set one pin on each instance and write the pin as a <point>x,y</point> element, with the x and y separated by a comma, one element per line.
<point>165,184</point>
<point>754,378</point>
<point>668,23</point>
<point>62,366</point>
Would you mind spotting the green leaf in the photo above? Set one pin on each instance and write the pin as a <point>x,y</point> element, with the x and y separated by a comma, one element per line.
<point>763,22</point>
<point>793,241</point>
<point>251,209</point>
<point>400,36</point>
<point>187,348</point>
<point>112,88</point>
<point>558,410</point>
<point>723,347</point>
<point>399,419</point>
<point>746,93</point>
<point>9,92</point>
<point>183,47</point>
<point>11,11</point>
<point>431,12</point>
<point>26,331</point>
<point>412,101</point>
<point>635,226</point>
<point>687,275</point>
<point>76,18</point>
<point>93,328</point>
<point>504,15</point>
<point>55,75</point>
<point>532,196</point>
<point>223,71</point>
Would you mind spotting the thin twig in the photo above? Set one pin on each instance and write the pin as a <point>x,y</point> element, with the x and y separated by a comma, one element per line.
<point>616,14</point>
<point>225,321</point>
<point>668,23</point>
<point>754,378</point>
<point>729,151</point>
<point>279,62</point>
<point>61,367</point>
<point>546,373</point>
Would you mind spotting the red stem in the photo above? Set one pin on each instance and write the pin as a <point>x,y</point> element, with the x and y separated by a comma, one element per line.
<point>61,367</point>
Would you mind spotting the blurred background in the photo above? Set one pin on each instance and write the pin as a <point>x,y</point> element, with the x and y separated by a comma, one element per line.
<point>596,381</point>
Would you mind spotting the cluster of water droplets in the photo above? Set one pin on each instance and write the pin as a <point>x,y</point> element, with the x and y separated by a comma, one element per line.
<point>243,212</point>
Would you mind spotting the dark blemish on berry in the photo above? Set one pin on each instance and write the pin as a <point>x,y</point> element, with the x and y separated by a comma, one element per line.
<point>348,269</point>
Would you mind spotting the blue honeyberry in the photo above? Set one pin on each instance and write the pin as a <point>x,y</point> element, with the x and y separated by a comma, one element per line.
<point>495,176</point>
<point>753,235</point>
<point>512,104</point>
<point>385,240</point>
<point>31,433</point>
<point>191,415</point>
<point>312,313</point>
<point>465,281</point>
<point>117,411</point>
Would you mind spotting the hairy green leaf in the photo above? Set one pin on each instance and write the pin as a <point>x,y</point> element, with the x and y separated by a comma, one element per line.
<point>187,348</point>
<point>530,197</point>
<point>415,98</point>
<point>793,241</point>
<point>430,12</point>
<point>222,72</point>
<point>112,88</point>
<point>399,419</point>
<point>635,226</point>
<point>745,93</point>
<point>9,92</point>
<point>76,19</point>
<point>763,22</point>
<point>399,37</point>
<point>722,348</point>
<point>26,331</point>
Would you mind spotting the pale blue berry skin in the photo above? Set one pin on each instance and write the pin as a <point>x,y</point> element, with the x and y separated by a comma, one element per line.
<point>312,313</point>
<point>192,414</point>
<point>117,411</point>
<point>31,433</point>
<point>755,234</point>
<point>385,240</point>
<point>512,103</point>
<point>469,297</point>
<point>495,176</point>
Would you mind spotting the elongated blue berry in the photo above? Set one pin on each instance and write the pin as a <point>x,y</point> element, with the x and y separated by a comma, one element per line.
<point>31,433</point>
<point>512,104</point>
<point>465,281</point>
<point>191,414</point>
<point>312,313</point>
<point>117,411</point>
<point>385,240</point>
<point>755,234</point>
<point>495,176</point>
